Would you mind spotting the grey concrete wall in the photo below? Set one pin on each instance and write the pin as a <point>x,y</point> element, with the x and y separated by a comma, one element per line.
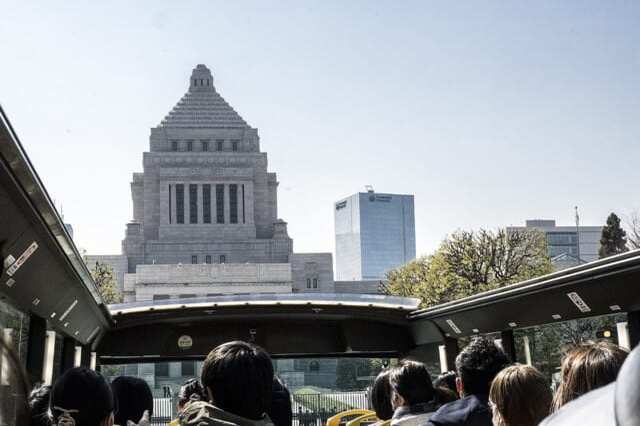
<point>312,266</point>
<point>358,287</point>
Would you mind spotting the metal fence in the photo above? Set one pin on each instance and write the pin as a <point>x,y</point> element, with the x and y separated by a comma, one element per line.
<point>315,409</point>
<point>307,409</point>
<point>164,410</point>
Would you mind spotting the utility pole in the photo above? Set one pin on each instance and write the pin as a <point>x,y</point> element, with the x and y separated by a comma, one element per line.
<point>578,235</point>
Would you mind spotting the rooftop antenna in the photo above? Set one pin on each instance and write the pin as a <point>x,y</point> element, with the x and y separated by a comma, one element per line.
<point>369,188</point>
<point>578,234</point>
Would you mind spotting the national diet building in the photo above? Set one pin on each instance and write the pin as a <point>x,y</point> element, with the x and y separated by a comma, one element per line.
<point>205,211</point>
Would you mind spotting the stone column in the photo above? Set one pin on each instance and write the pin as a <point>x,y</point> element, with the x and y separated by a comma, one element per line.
<point>248,202</point>
<point>164,203</point>
<point>187,203</point>
<point>214,203</point>
<point>174,210</point>
<point>241,209</point>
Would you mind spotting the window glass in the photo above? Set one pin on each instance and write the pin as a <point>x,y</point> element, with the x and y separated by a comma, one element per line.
<point>206,203</point>
<point>315,283</point>
<point>161,369</point>
<point>205,145</point>
<point>207,259</point>
<point>233,203</point>
<point>194,259</point>
<point>219,144</point>
<point>189,145</point>
<point>223,258</point>
<point>180,203</point>
<point>193,203</point>
<point>234,145</point>
<point>220,203</point>
<point>188,368</point>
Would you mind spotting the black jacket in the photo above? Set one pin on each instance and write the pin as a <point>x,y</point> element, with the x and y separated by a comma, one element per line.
<point>472,410</point>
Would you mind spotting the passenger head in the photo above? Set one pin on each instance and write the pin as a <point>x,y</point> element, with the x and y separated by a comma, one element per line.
<point>477,364</point>
<point>132,398</point>
<point>191,390</point>
<point>446,380</point>
<point>39,405</point>
<point>586,367</point>
<point>519,396</point>
<point>280,410</point>
<point>238,377</point>
<point>444,395</point>
<point>380,395</point>
<point>84,395</point>
<point>411,384</point>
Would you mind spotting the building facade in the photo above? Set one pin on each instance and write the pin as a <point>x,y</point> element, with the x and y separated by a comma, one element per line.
<point>374,234</point>
<point>567,245</point>
<point>205,211</point>
<point>205,223</point>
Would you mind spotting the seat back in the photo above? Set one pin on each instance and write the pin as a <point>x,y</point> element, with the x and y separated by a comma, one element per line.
<point>627,392</point>
<point>364,420</point>
<point>342,418</point>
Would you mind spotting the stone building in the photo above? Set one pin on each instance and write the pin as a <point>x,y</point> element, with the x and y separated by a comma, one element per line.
<point>567,246</point>
<point>205,211</point>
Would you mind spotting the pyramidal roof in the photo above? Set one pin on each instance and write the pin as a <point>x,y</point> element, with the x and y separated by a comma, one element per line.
<point>202,106</point>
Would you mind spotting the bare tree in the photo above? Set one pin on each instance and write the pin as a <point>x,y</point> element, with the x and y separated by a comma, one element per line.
<point>633,230</point>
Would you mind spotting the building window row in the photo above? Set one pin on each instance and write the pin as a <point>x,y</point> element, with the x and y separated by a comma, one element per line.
<point>236,208</point>
<point>312,282</point>
<point>207,259</point>
<point>203,82</point>
<point>204,145</point>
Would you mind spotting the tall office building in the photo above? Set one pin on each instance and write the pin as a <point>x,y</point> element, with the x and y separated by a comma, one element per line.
<point>567,245</point>
<point>374,234</point>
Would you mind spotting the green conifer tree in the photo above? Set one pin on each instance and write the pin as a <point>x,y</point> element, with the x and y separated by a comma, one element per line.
<point>614,239</point>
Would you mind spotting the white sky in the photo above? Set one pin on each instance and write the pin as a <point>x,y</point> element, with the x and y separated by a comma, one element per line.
<point>489,112</point>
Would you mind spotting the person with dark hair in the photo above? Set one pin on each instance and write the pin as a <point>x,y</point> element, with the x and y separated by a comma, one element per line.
<point>446,380</point>
<point>132,397</point>
<point>445,386</point>
<point>444,396</point>
<point>81,397</point>
<point>280,410</point>
<point>39,405</point>
<point>191,390</point>
<point>519,396</point>
<point>476,365</point>
<point>413,396</point>
<point>586,367</point>
<point>238,381</point>
<point>380,395</point>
